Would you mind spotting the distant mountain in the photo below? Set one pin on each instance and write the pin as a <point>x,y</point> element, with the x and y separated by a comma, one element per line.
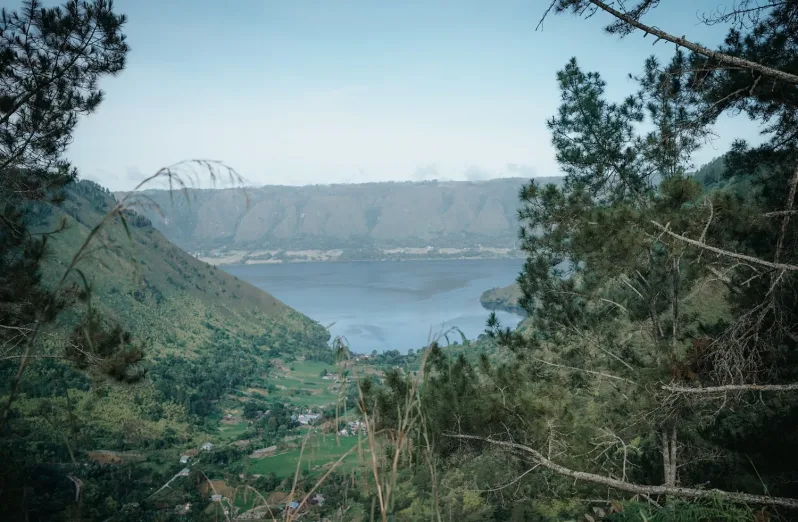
<point>163,295</point>
<point>378,215</point>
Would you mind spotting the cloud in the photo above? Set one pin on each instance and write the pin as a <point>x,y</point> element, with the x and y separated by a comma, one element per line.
<point>101,177</point>
<point>426,172</point>
<point>474,173</point>
<point>526,171</point>
<point>134,175</point>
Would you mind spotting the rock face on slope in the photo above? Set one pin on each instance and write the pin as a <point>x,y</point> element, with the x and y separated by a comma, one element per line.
<point>379,215</point>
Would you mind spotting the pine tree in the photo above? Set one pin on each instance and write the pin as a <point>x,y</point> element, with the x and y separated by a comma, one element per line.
<point>51,60</point>
<point>630,239</point>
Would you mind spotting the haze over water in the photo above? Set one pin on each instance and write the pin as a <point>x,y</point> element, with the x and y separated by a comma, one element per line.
<point>388,305</point>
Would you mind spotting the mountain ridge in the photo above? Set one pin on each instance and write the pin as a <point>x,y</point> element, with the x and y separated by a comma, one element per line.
<point>342,216</point>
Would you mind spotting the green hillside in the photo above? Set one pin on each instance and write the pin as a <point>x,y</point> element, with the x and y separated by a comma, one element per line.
<point>205,334</point>
<point>164,296</point>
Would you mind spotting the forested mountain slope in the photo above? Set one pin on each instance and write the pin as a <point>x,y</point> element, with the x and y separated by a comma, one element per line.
<point>409,214</point>
<point>163,295</point>
<point>205,336</point>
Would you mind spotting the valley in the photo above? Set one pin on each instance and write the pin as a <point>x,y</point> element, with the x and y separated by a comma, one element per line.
<point>616,344</point>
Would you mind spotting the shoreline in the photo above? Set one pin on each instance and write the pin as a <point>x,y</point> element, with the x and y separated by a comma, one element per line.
<point>493,306</point>
<point>211,261</point>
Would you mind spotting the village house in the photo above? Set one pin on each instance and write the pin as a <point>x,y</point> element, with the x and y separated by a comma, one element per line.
<point>184,472</point>
<point>184,459</point>
<point>208,446</point>
<point>216,497</point>
<point>307,418</point>
<point>183,509</point>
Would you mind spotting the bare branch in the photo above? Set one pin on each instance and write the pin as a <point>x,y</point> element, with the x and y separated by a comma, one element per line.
<point>572,368</point>
<point>732,388</point>
<point>725,59</point>
<point>726,280</point>
<point>780,213</point>
<point>728,253</point>
<point>548,10</point>
<point>640,489</point>
<point>786,219</point>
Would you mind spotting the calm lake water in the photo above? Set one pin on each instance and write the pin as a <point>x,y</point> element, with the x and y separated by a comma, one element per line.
<point>385,305</point>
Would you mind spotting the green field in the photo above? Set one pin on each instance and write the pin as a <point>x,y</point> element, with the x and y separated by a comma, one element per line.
<point>319,450</point>
<point>304,386</point>
<point>232,431</point>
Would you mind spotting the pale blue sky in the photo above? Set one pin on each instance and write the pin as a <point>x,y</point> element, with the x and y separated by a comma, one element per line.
<point>297,92</point>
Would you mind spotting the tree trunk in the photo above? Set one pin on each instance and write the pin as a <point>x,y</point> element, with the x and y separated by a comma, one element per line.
<point>675,308</point>
<point>669,456</point>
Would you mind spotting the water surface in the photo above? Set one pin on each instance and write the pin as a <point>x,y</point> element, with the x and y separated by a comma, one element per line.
<point>387,305</point>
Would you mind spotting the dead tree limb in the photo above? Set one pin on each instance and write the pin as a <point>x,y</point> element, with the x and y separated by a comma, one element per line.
<point>726,280</point>
<point>780,213</point>
<point>731,388</point>
<point>785,220</point>
<point>728,253</point>
<point>640,489</point>
<point>725,59</point>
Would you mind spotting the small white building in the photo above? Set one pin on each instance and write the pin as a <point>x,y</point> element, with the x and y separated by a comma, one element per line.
<point>344,432</point>
<point>307,418</point>
<point>184,472</point>
<point>355,426</point>
<point>216,497</point>
<point>208,446</point>
<point>184,459</point>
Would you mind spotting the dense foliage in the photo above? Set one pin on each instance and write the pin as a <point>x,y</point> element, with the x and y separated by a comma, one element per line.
<point>659,356</point>
<point>111,339</point>
<point>654,378</point>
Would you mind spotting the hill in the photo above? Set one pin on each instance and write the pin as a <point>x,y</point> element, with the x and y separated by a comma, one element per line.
<point>165,296</point>
<point>354,216</point>
<point>505,298</point>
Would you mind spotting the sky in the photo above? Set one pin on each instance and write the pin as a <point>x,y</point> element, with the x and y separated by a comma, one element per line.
<point>298,92</point>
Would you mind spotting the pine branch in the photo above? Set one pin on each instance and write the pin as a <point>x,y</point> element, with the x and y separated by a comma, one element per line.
<point>640,489</point>
<point>724,59</point>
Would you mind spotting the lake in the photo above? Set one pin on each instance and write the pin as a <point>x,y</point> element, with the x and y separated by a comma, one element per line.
<point>388,305</point>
